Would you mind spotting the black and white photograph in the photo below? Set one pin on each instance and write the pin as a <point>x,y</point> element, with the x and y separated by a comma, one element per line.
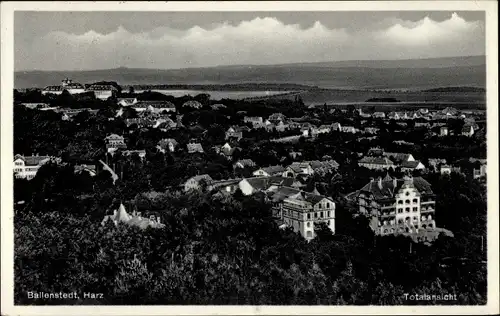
<point>261,156</point>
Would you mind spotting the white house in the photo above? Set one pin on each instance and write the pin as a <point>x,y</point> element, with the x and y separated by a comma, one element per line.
<point>68,85</point>
<point>26,167</point>
<point>127,101</point>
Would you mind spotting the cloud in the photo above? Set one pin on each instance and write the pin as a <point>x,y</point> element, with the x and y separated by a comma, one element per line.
<point>262,40</point>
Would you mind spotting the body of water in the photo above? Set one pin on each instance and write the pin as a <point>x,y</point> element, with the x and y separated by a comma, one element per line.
<point>218,95</point>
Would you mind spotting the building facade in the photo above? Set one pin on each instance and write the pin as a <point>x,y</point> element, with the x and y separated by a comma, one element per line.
<point>303,210</point>
<point>26,167</point>
<point>398,206</point>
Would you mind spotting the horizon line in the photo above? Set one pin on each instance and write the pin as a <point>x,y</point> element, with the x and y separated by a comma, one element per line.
<point>257,65</point>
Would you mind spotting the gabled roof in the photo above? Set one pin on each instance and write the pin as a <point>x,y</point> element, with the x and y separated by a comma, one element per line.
<point>398,157</point>
<point>263,183</point>
<point>200,177</point>
<point>273,169</point>
<point>376,160</point>
<point>164,142</point>
<point>246,162</point>
<point>101,87</point>
<point>388,190</point>
<point>32,160</point>
<point>410,164</point>
<point>155,104</point>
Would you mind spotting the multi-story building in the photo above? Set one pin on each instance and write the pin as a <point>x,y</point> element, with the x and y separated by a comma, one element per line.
<point>115,142</point>
<point>103,91</point>
<point>68,85</point>
<point>398,206</point>
<point>26,167</point>
<point>302,210</point>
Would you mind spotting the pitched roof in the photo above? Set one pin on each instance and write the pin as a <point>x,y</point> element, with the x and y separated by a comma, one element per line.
<point>273,169</point>
<point>398,157</point>
<point>263,183</point>
<point>164,142</point>
<point>388,190</point>
<point>101,87</point>
<point>246,162</point>
<point>410,164</point>
<point>32,160</point>
<point>194,147</point>
<point>376,160</point>
<point>200,177</point>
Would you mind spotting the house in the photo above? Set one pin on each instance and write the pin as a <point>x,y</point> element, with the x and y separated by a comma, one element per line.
<point>303,210</point>
<point>114,142</point>
<point>156,106</point>
<point>244,163</point>
<point>298,168</point>
<point>36,106</point>
<point>102,91</point>
<point>256,121</point>
<point>411,166</point>
<point>443,131</point>
<point>445,169</point>
<point>280,126</point>
<point>26,167</point>
<point>166,124</point>
<point>375,152</point>
<point>234,132</point>
<point>192,104</point>
<point>371,130</point>
<point>68,85</point>
<point>323,167</point>
<point>324,129</point>
<point>467,130</point>
<point>380,115</point>
<point>195,148</point>
<point>90,169</point>
<point>269,171</point>
<point>348,129</point>
<point>121,216</point>
<point>251,186</point>
<point>140,153</point>
<point>479,170</point>
<point>399,157</point>
<point>198,182</point>
<point>378,163</point>
<point>167,144</point>
<point>140,122</point>
<point>398,206</point>
<point>126,101</point>
<point>226,150</point>
<point>336,127</point>
<point>277,117</point>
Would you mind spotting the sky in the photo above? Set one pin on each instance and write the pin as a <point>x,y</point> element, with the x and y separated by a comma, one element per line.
<point>171,40</point>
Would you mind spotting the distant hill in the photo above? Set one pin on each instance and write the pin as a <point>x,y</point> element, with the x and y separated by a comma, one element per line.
<point>397,74</point>
<point>456,89</point>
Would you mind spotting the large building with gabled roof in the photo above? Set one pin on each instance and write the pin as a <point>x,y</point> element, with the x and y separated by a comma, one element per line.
<point>398,206</point>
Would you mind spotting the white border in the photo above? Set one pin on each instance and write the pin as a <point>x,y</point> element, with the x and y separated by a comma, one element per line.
<point>7,54</point>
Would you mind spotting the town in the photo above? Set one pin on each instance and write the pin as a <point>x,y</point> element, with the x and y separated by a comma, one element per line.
<point>131,158</point>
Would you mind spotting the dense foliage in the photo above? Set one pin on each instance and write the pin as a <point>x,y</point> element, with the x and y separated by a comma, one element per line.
<point>218,249</point>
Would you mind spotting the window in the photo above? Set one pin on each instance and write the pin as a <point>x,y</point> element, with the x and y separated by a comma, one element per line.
<point>319,206</point>
<point>407,193</point>
<point>329,214</point>
<point>407,210</point>
<point>400,202</point>
<point>400,210</point>
<point>407,201</point>
<point>327,204</point>
<point>308,224</point>
<point>315,215</point>
<point>415,218</point>
<point>321,214</point>
<point>308,215</point>
<point>415,200</point>
<point>415,209</point>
